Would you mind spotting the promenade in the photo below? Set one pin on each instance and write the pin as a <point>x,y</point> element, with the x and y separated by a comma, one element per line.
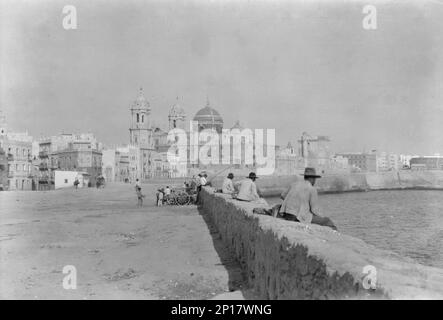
<point>119,251</point>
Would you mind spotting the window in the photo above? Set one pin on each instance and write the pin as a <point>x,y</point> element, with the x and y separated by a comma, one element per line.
<point>138,118</point>
<point>143,118</point>
<point>66,180</point>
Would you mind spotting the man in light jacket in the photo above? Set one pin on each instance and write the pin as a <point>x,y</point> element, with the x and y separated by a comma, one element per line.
<point>248,190</point>
<point>301,202</point>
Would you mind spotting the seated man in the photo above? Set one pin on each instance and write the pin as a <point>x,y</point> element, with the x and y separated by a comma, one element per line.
<point>301,202</point>
<point>248,190</point>
<point>228,185</point>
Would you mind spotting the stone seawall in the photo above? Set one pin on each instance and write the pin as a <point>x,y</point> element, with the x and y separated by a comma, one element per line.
<point>289,260</point>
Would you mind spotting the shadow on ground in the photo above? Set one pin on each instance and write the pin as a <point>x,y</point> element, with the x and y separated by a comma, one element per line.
<point>237,277</point>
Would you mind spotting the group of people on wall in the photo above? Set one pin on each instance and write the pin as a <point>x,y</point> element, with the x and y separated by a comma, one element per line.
<point>300,199</point>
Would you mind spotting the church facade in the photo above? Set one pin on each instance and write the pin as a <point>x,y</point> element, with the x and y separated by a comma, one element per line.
<point>150,160</point>
<point>151,141</point>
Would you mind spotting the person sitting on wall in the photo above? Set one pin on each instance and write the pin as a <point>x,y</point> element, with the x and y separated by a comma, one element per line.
<point>208,182</point>
<point>201,182</point>
<point>300,202</point>
<point>228,185</point>
<point>248,190</point>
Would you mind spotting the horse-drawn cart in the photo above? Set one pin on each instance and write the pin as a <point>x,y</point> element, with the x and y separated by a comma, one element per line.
<point>180,197</point>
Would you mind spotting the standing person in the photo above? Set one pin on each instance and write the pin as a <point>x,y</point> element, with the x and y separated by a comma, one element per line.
<point>76,183</point>
<point>140,196</point>
<point>300,202</point>
<point>160,197</point>
<point>248,190</point>
<point>167,193</point>
<point>228,185</point>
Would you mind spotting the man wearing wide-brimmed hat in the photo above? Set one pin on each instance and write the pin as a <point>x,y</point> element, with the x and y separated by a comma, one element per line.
<point>248,190</point>
<point>301,201</point>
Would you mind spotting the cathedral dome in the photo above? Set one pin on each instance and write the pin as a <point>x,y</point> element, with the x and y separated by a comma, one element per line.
<point>208,116</point>
<point>141,102</point>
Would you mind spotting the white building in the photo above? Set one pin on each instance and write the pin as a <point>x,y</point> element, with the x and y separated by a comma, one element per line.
<point>340,162</point>
<point>65,179</point>
<point>405,160</point>
<point>388,161</point>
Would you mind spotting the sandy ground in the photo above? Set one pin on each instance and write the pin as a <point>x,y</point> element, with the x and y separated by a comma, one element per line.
<point>119,251</point>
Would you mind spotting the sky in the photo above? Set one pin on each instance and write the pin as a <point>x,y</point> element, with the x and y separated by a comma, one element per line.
<point>293,66</point>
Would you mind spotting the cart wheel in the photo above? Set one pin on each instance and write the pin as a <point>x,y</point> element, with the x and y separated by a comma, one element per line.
<point>183,198</point>
<point>170,201</point>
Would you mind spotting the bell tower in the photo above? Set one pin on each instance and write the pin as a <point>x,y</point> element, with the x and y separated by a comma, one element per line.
<point>140,128</point>
<point>177,117</point>
<point>3,126</point>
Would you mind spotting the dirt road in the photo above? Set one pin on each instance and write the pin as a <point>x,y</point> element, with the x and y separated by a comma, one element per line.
<point>118,250</point>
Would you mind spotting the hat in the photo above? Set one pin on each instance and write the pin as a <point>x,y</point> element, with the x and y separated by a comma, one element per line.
<point>252,175</point>
<point>310,172</point>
